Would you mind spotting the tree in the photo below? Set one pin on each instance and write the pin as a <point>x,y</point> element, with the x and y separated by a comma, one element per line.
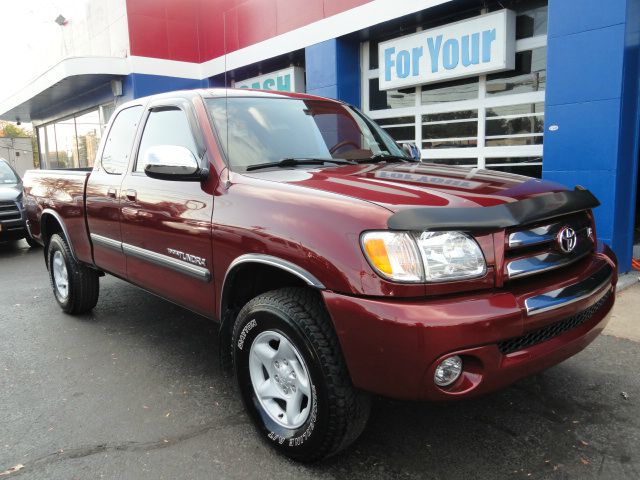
<point>11,130</point>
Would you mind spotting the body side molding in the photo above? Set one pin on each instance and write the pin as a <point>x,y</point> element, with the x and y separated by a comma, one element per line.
<point>163,260</point>
<point>157,258</point>
<point>106,242</point>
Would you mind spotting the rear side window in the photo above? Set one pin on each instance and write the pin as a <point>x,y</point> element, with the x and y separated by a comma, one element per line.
<point>117,147</point>
<point>165,127</point>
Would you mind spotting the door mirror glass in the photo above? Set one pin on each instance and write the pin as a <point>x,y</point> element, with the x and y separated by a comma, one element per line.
<point>413,151</point>
<point>171,162</point>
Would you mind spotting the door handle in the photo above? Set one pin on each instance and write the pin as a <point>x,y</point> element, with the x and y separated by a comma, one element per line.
<point>131,195</point>
<point>112,192</point>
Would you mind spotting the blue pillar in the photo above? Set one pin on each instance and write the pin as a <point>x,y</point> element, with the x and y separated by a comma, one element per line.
<point>333,69</point>
<point>138,85</point>
<point>593,97</point>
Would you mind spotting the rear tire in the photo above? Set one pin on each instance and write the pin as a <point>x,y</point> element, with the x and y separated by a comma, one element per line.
<point>285,350</point>
<point>75,286</point>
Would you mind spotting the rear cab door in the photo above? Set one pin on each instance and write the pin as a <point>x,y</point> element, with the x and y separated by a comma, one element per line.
<point>166,224</point>
<point>103,191</point>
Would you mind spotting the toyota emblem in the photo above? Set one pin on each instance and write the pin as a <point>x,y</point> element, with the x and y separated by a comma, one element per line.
<point>567,239</point>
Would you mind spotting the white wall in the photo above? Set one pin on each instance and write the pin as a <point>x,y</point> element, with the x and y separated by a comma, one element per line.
<point>21,162</point>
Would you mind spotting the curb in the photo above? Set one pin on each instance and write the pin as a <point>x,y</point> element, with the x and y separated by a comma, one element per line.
<point>627,280</point>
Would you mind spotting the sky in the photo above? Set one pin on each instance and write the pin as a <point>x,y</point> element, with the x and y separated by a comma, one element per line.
<point>29,27</point>
<point>33,41</point>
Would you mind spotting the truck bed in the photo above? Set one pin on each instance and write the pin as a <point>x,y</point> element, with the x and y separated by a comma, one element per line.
<point>60,193</point>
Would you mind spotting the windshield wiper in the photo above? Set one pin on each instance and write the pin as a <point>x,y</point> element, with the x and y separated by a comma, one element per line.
<point>384,157</point>
<point>292,162</point>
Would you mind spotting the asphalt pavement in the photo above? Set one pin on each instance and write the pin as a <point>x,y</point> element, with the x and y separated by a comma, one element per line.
<point>134,391</point>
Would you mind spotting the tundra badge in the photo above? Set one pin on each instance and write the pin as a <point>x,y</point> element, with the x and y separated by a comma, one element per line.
<point>187,257</point>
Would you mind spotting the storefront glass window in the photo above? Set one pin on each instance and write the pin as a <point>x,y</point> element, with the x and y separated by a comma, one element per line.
<point>516,110</point>
<point>66,142</point>
<point>529,166</point>
<point>452,129</point>
<point>515,126</point>
<point>383,99</point>
<point>106,111</point>
<point>73,142</point>
<point>88,137</point>
<point>402,129</point>
<point>42,144</point>
<point>530,75</point>
<point>458,162</point>
<point>465,89</point>
<point>52,151</point>
<point>531,18</point>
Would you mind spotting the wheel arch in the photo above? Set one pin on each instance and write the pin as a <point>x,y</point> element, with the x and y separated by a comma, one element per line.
<point>246,278</point>
<point>51,223</point>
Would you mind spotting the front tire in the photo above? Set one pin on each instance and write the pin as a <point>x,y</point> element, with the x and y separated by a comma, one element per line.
<point>292,377</point>
<point>75,286</point>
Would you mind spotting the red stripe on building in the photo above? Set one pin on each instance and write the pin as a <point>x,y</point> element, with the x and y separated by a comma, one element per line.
<point>194,30</point>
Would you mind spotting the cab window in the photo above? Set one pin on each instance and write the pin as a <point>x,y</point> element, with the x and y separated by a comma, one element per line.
<point>167,126</point>
<point>117,147</point>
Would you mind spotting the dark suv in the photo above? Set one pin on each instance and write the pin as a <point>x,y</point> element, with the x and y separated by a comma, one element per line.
<point>12,219</point>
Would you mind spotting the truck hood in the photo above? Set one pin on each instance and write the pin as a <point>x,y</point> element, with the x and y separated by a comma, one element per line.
<point>10,193</point>
<point>408,185</point>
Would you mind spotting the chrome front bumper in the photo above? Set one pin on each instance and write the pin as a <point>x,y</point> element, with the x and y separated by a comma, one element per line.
<point>564,296</point>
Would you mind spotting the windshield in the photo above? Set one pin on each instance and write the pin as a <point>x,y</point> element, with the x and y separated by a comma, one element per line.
<point>267,130</point>
<point>6,174</point>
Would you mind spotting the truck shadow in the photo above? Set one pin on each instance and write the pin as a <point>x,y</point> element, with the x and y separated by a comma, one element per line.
<point>10,249</point>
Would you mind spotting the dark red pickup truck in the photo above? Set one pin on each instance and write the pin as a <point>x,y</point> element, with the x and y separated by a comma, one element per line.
<point>336,264</point>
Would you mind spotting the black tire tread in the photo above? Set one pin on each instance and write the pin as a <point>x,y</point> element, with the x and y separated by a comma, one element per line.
<point>84,283</point>
<point>348,408</point>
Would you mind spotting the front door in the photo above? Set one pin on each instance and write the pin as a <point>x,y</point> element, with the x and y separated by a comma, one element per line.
<point>166,225</point>
<point>103,192</point>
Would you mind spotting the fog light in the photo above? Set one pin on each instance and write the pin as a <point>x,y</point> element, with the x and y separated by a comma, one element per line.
<point>448,371</point>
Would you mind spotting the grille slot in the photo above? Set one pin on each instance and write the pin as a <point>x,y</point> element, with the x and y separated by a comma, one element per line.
<point>550,331</point>
<point>534,249</point>
<point>9,211</point>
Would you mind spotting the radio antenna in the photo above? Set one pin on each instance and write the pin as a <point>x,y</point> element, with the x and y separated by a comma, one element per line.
<point>226,87</point>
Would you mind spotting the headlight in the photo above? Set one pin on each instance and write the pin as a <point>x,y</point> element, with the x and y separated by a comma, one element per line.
<point>424,257</point>
<point>450,256</point>
<point>393,255</point>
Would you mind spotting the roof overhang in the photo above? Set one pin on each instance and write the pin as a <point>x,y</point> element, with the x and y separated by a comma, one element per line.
<point>76,76</point>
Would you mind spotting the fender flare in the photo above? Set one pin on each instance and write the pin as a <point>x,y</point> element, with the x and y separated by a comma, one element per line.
<point>256,258</point>
<point>58,218</point>
<point>260,258</point>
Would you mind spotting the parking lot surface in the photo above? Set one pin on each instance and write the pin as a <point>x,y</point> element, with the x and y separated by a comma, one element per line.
<point>134,391</point>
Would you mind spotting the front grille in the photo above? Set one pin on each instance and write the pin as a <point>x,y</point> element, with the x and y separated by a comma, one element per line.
<point>9,211</point>
<point>553,330</point>
<point>535,249</point>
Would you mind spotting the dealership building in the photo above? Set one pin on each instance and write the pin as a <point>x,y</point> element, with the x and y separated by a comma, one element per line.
<point>548,89</point>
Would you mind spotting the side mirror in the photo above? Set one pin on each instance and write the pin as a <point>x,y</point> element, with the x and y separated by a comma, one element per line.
<point>172,162</point>
<point>413,151</point>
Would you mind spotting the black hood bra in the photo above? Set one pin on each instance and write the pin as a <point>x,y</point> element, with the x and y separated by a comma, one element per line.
<point>523,212</point>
